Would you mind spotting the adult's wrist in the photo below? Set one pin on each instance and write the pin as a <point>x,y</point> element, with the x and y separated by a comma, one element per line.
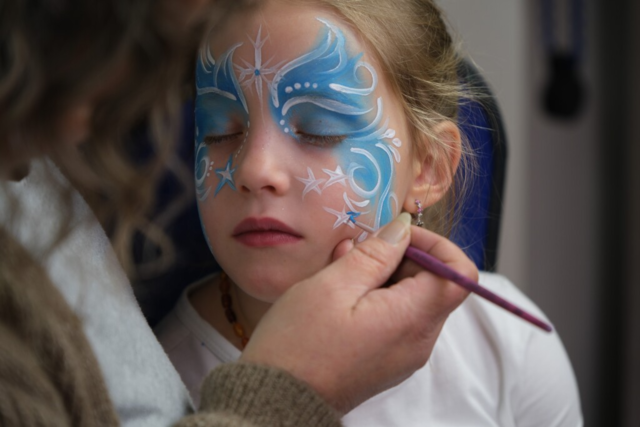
<point>265,395</point>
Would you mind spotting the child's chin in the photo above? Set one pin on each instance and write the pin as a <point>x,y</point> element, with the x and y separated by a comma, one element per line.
<point>266,292</point>
<point>269,287</point>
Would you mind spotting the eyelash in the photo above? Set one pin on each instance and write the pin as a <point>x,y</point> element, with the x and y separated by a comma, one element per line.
<point>320,140</point>
<point>311,139</point>
<point>219,139</point>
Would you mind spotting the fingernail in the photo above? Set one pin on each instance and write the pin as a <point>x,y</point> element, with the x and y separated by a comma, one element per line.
<point>397,229</point>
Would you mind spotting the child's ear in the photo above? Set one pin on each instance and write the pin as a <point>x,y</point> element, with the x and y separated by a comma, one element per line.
<point>434,167</point>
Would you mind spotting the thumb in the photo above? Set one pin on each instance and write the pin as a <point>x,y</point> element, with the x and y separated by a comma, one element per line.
<point>371,263</point>
<point>342,249</point>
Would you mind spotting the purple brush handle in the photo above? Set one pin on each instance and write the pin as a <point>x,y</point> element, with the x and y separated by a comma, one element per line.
<point>438,267</point>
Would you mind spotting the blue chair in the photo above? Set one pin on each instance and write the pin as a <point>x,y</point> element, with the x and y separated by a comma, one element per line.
<point>477,233</point>
<point>481,123</point>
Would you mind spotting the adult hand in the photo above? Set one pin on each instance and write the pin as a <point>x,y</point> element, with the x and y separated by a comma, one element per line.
<point>347,337</point>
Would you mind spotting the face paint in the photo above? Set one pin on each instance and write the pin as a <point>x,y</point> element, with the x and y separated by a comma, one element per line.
<point>220,104</point>
<point>321,95</point>
<point>226,176</point>
<point>319,152</point>
<point>253,76</point>
<point>320,98</point>
<point>311,183</point>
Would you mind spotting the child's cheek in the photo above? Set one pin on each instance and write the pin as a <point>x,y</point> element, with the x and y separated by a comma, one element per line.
<point>213,173</point>
<point>328,196</point>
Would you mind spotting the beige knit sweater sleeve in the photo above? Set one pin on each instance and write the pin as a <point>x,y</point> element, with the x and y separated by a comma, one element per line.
<point>248,395</point>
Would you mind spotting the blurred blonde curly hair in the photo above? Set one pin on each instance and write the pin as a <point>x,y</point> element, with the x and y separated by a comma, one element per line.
<point>56,53</point>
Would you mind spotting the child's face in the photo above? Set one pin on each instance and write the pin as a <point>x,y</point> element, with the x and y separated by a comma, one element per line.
<point>296,131</point>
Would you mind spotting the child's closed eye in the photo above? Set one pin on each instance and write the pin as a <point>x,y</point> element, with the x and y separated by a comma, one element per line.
<point>325,141</point>
<point>221,139</point>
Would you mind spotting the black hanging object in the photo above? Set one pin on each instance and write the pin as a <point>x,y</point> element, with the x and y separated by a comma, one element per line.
<point>565,92</point>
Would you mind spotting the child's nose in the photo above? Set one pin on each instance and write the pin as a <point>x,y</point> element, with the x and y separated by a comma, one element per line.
<point>263,163</point>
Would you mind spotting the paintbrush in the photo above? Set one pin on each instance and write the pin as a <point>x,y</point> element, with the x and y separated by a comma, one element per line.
<point>436,266</point>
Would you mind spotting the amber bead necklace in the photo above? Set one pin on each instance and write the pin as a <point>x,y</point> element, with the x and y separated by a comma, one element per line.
<point>227,304</point>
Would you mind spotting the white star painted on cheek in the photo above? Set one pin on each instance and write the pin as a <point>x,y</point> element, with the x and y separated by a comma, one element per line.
<point>226,176</point>
<point>311,183</point>
<point>342,217</point>
<point>335,177</point>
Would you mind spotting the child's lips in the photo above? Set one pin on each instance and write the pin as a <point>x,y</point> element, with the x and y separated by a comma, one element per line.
<point>260,232</point>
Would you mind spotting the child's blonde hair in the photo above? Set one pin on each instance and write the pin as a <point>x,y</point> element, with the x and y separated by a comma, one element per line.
<point>419,60</point>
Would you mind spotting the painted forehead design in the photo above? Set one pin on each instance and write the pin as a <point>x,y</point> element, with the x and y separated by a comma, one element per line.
<point>326,77</point>
<point>327,82</point>
<point>217,77</point>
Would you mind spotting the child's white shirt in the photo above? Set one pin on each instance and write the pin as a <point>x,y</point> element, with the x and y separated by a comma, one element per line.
<point>488,368</point>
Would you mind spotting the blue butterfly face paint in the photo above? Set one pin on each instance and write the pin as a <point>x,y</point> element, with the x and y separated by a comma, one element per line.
<point>323,98</point>
<point>256,76</point>
<point>327,91</point>
<point>219,102</point>
<point>298,133</point>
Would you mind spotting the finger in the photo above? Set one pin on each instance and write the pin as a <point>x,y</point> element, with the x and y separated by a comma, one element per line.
<point>422,289</point>
<point>370,264</point>
<point>428,294</point>
<point>441,248</point>
<point>341,249</point>
<point>445,250</point>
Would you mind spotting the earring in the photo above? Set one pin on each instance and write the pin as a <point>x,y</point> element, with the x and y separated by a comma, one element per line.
<point>418,216</point>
